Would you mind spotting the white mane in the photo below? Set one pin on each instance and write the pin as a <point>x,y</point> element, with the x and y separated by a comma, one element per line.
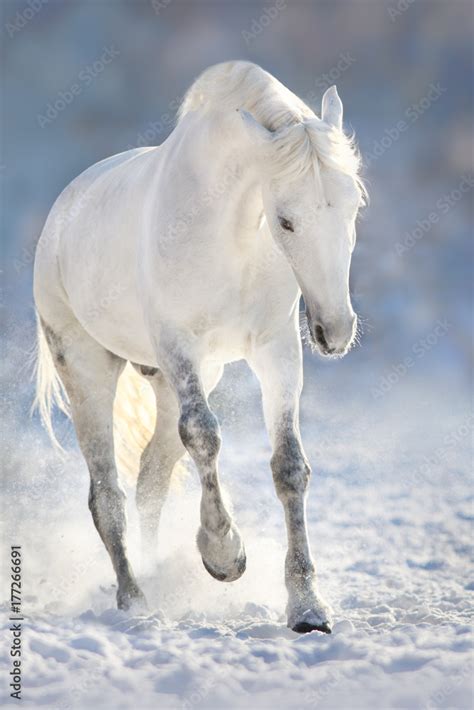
<point>239,84</point>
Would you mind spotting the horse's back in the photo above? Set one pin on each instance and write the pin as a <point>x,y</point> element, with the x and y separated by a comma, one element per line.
<point>78,200</point>
<point>88,248</point>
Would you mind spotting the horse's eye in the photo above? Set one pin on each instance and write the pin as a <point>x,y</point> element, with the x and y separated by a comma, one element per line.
<point>286,224</point>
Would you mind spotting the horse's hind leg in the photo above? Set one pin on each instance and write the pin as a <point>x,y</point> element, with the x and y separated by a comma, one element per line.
<point>89,374</point>
<point>158,459</point>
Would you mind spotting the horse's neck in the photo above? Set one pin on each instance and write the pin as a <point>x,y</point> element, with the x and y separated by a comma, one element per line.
<point>233,179</point>
<point>245,204</point>
<point>216,150</point>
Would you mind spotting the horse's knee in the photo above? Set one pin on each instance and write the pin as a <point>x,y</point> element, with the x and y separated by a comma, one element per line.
<point>199,432</point>
<point>291,470</point>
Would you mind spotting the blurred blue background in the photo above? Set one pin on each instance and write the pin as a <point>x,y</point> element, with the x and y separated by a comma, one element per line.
<point>387,429</point>
<point>84,80</point>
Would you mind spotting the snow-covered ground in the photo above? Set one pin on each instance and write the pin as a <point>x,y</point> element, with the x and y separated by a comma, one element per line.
<point>390,522</point>
<point>390,504</point>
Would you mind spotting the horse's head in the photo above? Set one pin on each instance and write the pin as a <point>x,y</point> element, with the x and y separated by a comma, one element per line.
<point>311,196</point>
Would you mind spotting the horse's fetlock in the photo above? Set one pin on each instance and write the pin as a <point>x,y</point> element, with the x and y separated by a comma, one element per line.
<point>299,566</point>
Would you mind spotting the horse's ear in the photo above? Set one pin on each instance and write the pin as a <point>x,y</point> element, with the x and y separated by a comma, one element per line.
<point>331,110</point>
<point>255,129</point>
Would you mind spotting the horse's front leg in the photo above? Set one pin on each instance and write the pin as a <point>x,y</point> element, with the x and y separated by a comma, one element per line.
<point>278,365</point>
<point>218,539</point>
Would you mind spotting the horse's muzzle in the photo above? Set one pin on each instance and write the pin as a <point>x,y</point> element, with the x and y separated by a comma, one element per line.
<point>335,337</point>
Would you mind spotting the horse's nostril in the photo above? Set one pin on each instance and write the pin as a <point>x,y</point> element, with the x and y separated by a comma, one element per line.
<point>320,337</point>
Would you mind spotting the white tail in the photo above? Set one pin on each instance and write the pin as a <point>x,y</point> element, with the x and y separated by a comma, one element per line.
<point>134,420</point>
<point>49,388</point>
<point>134,408</point>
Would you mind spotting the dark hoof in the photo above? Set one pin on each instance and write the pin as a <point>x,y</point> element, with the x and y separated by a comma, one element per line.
<point>305,628</point>
<point>228,576</point>
<point>132,599</point>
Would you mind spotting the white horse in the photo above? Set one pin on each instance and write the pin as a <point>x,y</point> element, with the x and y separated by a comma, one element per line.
<point>184,257</point>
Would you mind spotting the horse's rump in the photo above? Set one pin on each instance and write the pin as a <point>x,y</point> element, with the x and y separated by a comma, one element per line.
<point>134,408</point>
